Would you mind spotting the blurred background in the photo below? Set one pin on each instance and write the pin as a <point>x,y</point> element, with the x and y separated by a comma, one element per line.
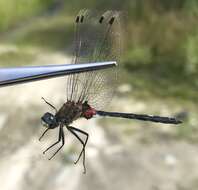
<point>158,75</point>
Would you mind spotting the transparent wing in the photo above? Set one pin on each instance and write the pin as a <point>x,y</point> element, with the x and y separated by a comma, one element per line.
<point>97,38</point>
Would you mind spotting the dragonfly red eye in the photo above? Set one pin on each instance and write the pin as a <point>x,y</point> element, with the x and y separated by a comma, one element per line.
<point>89,113</point>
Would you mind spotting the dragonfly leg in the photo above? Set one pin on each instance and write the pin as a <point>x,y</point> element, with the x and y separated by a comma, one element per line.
<point>63,142</point>
<point>49,104</point>
<point>43,133</point>
<point>59,139</point>
<point>72,130</point>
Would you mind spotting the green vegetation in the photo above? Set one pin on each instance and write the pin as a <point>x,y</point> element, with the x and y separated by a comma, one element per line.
<point>13,11</point>
<point>48,33</point>
<point>161,55</point>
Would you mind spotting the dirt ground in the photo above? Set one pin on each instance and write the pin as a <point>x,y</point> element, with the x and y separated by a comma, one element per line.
<point>120,154</point>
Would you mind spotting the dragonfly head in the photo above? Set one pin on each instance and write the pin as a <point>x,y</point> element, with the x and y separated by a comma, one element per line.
<point>49,120</point>
<point>88,111</point>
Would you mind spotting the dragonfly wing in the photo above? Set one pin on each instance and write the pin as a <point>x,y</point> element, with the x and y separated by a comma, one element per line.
<point>97,38</point>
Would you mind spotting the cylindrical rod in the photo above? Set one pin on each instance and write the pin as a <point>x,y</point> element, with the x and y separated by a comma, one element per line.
<point>10,76</point>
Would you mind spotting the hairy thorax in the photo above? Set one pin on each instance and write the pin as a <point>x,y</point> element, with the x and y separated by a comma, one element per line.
<point>69,112</point>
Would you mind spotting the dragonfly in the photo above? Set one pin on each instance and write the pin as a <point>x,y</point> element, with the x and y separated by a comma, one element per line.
<point>98,37</point>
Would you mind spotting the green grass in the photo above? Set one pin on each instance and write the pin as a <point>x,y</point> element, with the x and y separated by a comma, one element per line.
<point>13,11</point>
<point>155,81</point>
<point>50,33</point>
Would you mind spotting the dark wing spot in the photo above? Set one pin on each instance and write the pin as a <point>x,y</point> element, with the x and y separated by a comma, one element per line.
<point>101,19</point>
<point>81,19</point>
<point>111,20</point>
<point>77,19</point>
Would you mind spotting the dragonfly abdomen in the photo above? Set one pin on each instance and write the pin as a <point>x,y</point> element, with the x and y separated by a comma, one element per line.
<point>143,117</point>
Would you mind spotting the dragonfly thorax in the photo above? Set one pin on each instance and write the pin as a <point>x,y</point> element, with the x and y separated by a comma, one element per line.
<point>71,111</point>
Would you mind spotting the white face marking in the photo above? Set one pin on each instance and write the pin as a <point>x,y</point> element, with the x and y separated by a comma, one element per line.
<point>44,124</point>
<point>51,117</point>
